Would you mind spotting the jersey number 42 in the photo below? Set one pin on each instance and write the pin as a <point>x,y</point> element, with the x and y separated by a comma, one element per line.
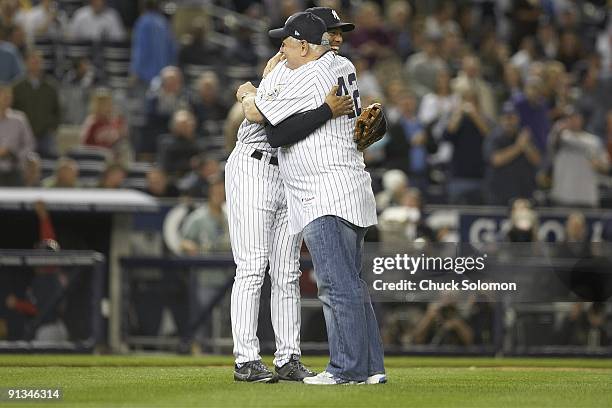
<point>343,90</point>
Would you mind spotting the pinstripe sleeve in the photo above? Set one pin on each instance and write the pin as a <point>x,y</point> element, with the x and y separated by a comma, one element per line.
<point>287,99</point>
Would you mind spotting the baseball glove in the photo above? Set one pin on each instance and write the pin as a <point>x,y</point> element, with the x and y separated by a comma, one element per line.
<point>370,127</point>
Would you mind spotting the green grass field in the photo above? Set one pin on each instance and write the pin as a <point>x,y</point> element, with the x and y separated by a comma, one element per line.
<point>170,381</point>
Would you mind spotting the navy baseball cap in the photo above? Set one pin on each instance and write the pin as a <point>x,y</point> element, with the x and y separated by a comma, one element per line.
<point>331,18</point>
<point>302,26</point>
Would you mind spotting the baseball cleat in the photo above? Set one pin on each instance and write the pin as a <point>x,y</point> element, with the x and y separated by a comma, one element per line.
<point>326,378</point>
<point>254,371</point>
<point>377,379</point>
<point>294,370</point>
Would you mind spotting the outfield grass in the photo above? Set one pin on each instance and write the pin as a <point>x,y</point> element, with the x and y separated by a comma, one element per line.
<point>148,381</point>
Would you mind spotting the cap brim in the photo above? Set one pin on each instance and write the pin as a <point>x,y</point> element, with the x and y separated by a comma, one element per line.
<point>345,27</point>
<point>278,33</point>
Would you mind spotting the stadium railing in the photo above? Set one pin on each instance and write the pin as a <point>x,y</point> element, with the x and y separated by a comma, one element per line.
<point>75,265</point>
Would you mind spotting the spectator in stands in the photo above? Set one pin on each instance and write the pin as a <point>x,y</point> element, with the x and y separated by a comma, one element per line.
<point>44,20</point>
<point>196,183</point>
<point>512,158</point>
<point>369,85</point>
<point>556,88</point>
<point>106,128</point>
<point>17,37</point>
<point>547,40</point>
<point>16,140</point>
<point>469,78</point>
<point>66,174</point>
<point>11,63</point>
<point>32,171</point>
<point>466,130</point>
<point>442,324</point>
<point>524,15</point>
<point>436,107</point>
<point>406,218</point>
<point>153,44</point>
<point>394,89</point>
<point>75,93</point>
<point>8,11</point>
<point>399,14</point>
<point>242,52</point>
<point>96,22</point>
<point>207,105</point>
<point>409,143</point>
<point>196,49</point>
<point>481,318</point>
<point>453,48</point>
<point>206,230</point>
<point>512,86</point>
<point>164,98</point>
<point>113,176</point>
<point>585,328</point>
<point>424,66</point>
<point>281,10</point>
<point>442,19</point>
<point>594,97</point>
<point>523,222</point>
<point>179,148</point>
<point>48,281</point>
<point>577,158</point>
<point>36,95</point>
<point>570,50</point>
<point>158,184</point>
<point>603,46</point>
<point>525,56</point>
<point>394,183</point>
<point>533,112</point>
<point>493,55</point>
<point>576,227</point>
<point>371,38</point>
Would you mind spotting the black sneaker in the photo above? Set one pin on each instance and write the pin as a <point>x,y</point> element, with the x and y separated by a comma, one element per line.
<point>294,370</point>
<point>254,371</point>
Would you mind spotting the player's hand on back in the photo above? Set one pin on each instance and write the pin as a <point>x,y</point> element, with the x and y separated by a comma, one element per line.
<point>339,105</point>
<point>273,62</point>
<point>245,89</point>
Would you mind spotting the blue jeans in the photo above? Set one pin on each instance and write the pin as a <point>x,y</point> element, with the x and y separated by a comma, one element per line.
<point>355,345</point>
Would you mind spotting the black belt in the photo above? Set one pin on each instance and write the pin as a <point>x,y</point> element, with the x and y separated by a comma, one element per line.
<point>258,155</point>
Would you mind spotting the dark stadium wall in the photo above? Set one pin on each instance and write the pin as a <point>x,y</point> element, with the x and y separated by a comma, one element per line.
<point>75,230</point>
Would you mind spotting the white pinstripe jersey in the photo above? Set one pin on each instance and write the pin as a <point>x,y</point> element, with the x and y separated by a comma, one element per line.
<point>254,135</point>
<point>324,174</point>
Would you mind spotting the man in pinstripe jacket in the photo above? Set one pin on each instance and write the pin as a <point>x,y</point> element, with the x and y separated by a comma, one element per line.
<point>257,213</point>
<point>329,197</point>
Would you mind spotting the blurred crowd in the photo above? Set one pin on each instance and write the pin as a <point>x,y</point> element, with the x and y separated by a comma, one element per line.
<point>487,100</point>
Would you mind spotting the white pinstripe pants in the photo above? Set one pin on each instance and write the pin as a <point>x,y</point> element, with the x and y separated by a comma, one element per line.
<point>257,215</point>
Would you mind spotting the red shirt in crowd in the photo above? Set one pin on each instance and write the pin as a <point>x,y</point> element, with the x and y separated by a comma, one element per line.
<point>103,132</point>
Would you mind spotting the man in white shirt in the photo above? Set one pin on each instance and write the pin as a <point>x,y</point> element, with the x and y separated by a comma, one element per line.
<point>43,20</point>
<point>16,140</point>
<point>578,157</point>
<point>96,22</point>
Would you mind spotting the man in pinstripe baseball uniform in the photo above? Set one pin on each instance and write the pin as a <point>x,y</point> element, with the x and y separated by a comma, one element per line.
<point>258,230</point>
<point>329,197</point>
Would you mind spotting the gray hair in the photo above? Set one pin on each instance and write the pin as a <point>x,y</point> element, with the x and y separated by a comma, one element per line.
<point>325,45</point>
<point>317,48</point>
<point>179,115</point>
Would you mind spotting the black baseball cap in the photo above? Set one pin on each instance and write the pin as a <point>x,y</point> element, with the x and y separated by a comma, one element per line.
<point>302,26</point>
<point>331,18</point>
